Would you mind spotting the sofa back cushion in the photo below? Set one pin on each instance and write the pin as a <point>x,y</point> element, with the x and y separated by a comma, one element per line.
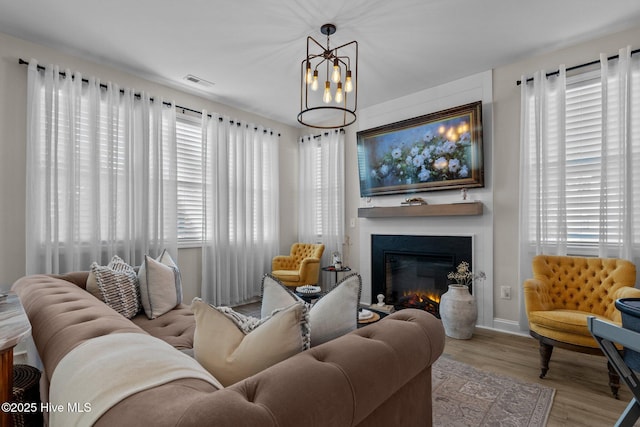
<point>175,327</point>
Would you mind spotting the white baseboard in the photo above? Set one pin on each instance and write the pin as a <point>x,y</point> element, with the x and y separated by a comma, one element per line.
<point>508,326</point>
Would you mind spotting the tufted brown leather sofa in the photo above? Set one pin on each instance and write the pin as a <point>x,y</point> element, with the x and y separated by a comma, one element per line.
<point>379,375</point>
<point>564,291</point>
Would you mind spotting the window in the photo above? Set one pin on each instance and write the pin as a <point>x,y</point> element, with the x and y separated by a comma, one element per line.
<point>581,142</point>
<point>570,175</point>
<point>189,143</point>
<point>321,183</point>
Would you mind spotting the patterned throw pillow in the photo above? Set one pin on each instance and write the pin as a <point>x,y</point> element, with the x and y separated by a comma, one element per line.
<point>160,285</point>
<point>232,346</point>
<point>331,316</point>
<point>118,285</point>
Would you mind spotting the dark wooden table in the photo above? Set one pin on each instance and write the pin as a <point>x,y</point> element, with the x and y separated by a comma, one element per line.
<point>331,268</point>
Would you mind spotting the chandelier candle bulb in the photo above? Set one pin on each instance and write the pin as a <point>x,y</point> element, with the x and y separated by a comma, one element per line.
<point>335,76</point>
<point>339,96</point>
<point>348,84</point>
<point>327,93</point>
<point>314,83</point>
<point>309,75</point>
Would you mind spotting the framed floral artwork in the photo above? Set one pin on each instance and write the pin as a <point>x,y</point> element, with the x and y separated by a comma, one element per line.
<point>437,151</point>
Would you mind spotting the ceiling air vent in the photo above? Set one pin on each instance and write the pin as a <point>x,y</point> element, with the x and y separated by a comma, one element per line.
<point>197,80</point>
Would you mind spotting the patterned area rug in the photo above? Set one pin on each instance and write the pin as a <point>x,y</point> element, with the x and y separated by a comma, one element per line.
<point>469,397</point>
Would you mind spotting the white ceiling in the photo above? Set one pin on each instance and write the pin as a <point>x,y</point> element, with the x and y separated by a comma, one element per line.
<point>251,49</point>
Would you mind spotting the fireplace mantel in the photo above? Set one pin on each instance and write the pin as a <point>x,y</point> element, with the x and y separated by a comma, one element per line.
<point>446,209</point>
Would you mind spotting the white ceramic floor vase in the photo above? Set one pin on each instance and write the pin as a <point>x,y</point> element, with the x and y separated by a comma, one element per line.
<point>459,312</point>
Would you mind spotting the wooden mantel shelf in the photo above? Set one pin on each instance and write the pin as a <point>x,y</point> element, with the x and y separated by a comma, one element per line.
<point>448,209</point>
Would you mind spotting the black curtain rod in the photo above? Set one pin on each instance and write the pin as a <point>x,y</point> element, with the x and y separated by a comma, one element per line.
<point>341,130</point>
<point>137,95</point>
<point>575,67</point>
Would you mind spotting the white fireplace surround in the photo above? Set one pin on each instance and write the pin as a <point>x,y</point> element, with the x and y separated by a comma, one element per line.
<point>482,290</point>
<point>480,227</point>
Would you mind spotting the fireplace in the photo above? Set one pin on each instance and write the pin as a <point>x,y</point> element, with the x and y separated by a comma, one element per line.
<point>411,271</point>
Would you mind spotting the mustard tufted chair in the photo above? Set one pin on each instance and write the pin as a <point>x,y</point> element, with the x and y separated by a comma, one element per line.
<point>564,291</point>
<point>301,267</point>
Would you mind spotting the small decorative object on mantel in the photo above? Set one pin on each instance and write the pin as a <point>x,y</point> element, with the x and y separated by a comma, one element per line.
<point>463,193</point>
<point>458,307</point>
<point>414,201</point>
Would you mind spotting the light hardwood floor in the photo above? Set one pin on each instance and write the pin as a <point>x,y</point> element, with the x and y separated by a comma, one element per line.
<point>583,396</point>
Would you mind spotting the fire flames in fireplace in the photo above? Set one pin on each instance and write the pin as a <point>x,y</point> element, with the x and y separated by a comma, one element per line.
<point>423,300</point>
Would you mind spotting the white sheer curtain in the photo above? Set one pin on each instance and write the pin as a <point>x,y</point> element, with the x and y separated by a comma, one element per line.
<point>321,194</point>
<point>543,219</point>
<point>101,173</point>
<point>620,192</point>
<point>610,122</point>
<point>241,217</point>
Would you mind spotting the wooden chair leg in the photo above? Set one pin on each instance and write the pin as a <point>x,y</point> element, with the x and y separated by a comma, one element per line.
<point>614,380</point>
<point>545,356</point>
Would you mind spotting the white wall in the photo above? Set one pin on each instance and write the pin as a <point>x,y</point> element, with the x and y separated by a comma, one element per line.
<point>459,92</point>
<point>13,91</point>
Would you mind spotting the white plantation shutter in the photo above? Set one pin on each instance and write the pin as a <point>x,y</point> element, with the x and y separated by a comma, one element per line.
<point>583,158</point>
<point>317,189</point>
<point>189,141</point>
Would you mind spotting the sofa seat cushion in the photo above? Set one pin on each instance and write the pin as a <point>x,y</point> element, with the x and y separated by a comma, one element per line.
<point>563,325</point>
<point>175,327</point>
<point>287,276</point>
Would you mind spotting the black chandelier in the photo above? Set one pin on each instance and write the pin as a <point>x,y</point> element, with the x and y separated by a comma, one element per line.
<point>335,105</point>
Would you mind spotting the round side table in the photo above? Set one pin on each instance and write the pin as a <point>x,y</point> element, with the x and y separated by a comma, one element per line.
<point>331,268</point>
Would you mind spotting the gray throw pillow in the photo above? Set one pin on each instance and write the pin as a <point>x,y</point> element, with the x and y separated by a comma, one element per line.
<point>160,285</point>
<point>332,315</point>
<point>118,286</point>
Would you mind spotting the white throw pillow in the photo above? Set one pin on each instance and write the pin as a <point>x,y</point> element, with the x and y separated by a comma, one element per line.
<point>332,315</point>
<point>118,286</point>
<point>160,285</point>
<point>233,347</point>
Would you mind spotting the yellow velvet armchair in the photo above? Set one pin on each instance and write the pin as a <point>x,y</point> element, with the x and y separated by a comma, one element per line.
<point>300,267</point>
<point>564,291</point>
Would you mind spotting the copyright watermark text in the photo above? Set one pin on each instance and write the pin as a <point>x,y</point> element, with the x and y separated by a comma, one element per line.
<point>32,407</point>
